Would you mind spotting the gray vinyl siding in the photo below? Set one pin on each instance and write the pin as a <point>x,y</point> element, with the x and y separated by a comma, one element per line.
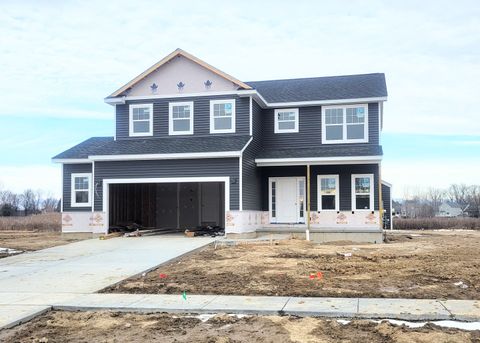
<point>345,175</point>
<point>310,129</point>
<point>201,112</point>
<point>68,170</point>
<point>251,181</point>
<point>220,167</point>
<point>386,196</point>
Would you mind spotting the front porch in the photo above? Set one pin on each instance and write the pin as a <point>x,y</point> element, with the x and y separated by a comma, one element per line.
<point>331,202</point>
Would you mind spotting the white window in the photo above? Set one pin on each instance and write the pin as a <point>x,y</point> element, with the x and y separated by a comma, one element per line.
<point>81,190</point>
<point>181,118</point>
<point>286,120</point>
<point>362,192</point>
<point>345,124</point>
<point>222,116</point>
<point>141,120</point>
<point>328,193</point>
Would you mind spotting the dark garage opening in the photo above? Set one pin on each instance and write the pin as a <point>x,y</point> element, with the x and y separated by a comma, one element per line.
<point>168,206</point>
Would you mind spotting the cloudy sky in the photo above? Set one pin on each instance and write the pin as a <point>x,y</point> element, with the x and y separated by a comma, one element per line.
<point>59,59</point>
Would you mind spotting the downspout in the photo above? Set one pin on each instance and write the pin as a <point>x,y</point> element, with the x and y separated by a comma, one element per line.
<point>307,232</point>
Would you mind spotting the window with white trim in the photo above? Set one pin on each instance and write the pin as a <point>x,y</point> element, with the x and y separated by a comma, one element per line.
<point>141,120</point>
<point>286,120</point>
<point>328,194</point>
<point>81,190</point>
<point>345,124</point>
<point>222,116</point>
<point>362,192</point>
<point>181,118</point>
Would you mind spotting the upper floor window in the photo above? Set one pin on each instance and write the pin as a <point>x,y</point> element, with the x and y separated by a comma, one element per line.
<point>81,190</point>
<point>141,120</point>
<point>328,195</point>
<point>181,118</point>
<point>286,120</point>
<point>345,124</point>
<point>222,116</point>
<point>362,192</point>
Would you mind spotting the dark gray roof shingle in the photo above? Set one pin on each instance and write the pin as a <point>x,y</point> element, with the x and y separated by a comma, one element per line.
<point>324,151</point>
<point>169,145</point>
<point>322,88</point>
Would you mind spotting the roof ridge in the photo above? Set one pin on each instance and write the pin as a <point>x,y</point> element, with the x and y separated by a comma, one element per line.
<point>315,77</point>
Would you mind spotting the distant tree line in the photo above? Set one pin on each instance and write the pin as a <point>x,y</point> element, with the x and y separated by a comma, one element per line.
<point>27,203</point>
<point>425,203</point>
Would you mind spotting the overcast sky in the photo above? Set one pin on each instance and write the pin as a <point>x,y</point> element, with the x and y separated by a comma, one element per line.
<point>59,59</point>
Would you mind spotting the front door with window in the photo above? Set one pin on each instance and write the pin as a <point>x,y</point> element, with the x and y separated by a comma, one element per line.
<point>287,199</point>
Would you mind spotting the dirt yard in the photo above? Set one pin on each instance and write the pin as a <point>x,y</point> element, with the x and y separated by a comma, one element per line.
<point>129,327</point>
<point>411,265</point>
<point>31,240</point>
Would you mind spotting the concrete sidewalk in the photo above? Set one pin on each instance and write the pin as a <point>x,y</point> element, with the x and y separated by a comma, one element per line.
<point>30,283</point>
<point>368,308</point>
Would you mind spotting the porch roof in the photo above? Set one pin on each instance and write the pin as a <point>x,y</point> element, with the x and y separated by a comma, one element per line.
<point>107,146</point>
<point>326,154</point>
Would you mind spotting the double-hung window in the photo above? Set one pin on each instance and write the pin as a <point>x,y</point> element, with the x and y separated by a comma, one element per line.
<point>345,124</point>
<point>81,190</point>
<point>286,120</point>
<point>141,120</point>
<point>181,118</point>
<point>328,194</point>
<point>362,192</point>
<point>222,116</point>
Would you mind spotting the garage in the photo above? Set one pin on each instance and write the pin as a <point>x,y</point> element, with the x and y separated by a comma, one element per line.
<point>167,206</point>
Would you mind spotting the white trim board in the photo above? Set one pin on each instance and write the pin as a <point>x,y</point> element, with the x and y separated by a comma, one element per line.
<point>108,182</point>
<point>179,156</point>
<point>240,175</point>
<point>243,93</point>
<point>267,162</point>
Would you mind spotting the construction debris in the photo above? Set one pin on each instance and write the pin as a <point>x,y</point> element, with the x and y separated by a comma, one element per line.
<point>110,235</point>
<point>206,231</point>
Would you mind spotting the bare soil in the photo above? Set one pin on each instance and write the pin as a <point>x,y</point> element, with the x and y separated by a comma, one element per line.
<point>411,265</point>
<point>131,327</point>
<point>33,240</point>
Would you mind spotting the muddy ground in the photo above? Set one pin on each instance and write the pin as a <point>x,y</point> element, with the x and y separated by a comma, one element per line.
<point>31,240</point>
<point>416,265</point>
<point>130,327</point>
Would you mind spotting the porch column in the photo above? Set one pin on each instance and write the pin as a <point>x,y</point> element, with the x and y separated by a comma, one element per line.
<point>307,233</point>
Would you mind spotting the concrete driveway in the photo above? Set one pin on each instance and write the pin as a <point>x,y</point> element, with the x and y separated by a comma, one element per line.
<point>30,281</point>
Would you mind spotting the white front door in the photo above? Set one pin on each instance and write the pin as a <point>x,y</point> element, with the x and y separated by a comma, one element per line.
<point>287,199</point>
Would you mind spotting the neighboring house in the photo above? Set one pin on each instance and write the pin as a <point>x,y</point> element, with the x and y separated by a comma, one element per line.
<point>195,146</point>
<point>449,209</point>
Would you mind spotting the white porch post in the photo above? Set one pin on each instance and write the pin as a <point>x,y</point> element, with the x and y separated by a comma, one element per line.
<point>307,233</point>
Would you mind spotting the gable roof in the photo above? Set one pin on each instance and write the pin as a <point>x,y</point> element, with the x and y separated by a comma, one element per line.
<point>178,52</point>
<point>103,146</point>
<point>322,88</point>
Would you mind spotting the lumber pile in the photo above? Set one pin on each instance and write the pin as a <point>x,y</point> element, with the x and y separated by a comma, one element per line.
<point>205,231</point>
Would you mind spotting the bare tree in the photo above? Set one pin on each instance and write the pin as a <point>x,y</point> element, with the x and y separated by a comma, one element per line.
<point>30,201</point>
<point>474,197</point>
<point>9,203</point>
<point>49,204</point>
<point>435,196</point>
<point>459,194</point>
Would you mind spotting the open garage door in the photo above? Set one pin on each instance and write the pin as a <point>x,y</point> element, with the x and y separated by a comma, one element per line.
<point>168,206</point>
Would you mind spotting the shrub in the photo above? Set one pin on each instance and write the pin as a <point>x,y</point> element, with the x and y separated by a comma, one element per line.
<point>37,222</point>
<point>457,223</point>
